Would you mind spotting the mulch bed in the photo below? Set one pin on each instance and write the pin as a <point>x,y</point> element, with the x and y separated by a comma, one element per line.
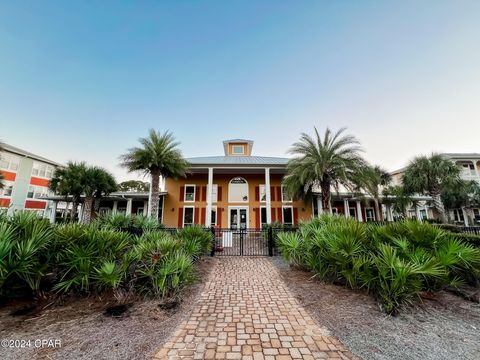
<point>97,327</point>
<point>441,326</point>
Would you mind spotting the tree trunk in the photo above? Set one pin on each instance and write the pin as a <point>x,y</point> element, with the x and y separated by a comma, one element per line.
<point>326,203</point>
<point>95,208</point>
<point>438,204</point>
<point>378,212</point>
<point>87,210</point>
<point>154,194</point>
<point>75,203</point>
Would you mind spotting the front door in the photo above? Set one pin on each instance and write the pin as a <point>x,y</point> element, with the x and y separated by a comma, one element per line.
<point>238,218</point>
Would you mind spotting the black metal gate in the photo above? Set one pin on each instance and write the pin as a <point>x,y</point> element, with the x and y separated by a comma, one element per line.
<point>243,242</point>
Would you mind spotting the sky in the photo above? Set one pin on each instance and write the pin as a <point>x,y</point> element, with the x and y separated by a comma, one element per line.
<point>83,80</point>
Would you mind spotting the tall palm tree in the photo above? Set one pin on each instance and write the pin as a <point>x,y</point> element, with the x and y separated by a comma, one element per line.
<point>371,180</point>
<point>325,162</point>
<point>97,183</point>
<point>430,175</point>
<point>157,156</point>
<point>69,181</point>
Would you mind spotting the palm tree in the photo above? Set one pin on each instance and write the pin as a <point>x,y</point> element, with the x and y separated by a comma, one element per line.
<point>326,162</point>
<point>430,176</point>
<point>69,181</point>
<point>371,180</point>
<point>158,156</point>
<point>97,183</point>
<point>395,195</point>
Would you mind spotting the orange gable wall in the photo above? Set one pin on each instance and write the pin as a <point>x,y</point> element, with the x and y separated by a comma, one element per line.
<point>173,204</point>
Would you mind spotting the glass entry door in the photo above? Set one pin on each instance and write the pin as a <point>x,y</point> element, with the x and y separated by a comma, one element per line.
<point>238,218</point>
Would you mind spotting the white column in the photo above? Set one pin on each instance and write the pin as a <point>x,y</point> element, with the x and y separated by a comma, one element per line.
<point>267,196</point>
<point>417,212</point>
<point>389,213</point>
<point>53,212</point>
<point>129,207</point>
<point>208,217</point>
<point>359,212</point>
<point>319,206</point>
<point>145,207</point>
<point>150,197</point>
<point>465,217</point>
<point>80,213</point>
<point>346,208</point>
<point>115,207</point>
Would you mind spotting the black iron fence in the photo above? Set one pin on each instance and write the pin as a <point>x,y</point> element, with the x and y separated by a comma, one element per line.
<point>246,241</point>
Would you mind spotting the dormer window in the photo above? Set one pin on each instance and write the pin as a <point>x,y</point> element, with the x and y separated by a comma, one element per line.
<point>238,149</point>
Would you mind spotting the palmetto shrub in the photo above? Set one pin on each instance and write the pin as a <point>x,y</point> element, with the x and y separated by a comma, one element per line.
<point>161,266</point>
<point>196,240</point>
<point>85,260</point>
<point>395,262</point>
<point>115,221</point>
<point>24,255</point>
<point>97,257</point>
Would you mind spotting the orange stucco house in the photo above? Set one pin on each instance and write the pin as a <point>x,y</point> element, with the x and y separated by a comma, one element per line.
<point>236,190</point>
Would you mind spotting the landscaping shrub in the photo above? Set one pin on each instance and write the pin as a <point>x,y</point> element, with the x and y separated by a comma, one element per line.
<point>196,240</point>
<point>395,262</point>
<point>24,255</point>
<point>98,257</point>
<point>161,265</point>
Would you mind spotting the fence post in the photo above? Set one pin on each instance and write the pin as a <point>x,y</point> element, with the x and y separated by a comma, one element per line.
<point>270,241</point>
<point>212,230</point>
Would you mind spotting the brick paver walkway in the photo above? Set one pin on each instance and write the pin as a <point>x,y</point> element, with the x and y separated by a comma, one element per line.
<point>247,312</point>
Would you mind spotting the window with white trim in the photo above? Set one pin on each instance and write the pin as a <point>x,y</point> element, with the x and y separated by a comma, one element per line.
<point>287,215</point>
<point>238,190</point>
<point>214,193</point>
<point>370,214</point>
<point>334,211</point>
<point>42,170</point>
<point>238,149</point>
<point>285,197</point>
<point>9,162</point>
<point>35,192</point>
<point>263,215</point>
<point>7,188</point>
<point>188,215</point>
<point>214,216</point>
<point>263,192</point>
<point>458,215</point>
<point>190,193</point>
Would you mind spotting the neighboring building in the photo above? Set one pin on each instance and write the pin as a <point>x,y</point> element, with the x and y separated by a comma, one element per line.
<point>26,178</point>
<point>469,165</point>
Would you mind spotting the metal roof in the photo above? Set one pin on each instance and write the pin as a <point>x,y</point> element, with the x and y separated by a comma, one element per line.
<point>121,195</point>
<point>21,152</point>
<point>238,160</point>
<point>466,156</point>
